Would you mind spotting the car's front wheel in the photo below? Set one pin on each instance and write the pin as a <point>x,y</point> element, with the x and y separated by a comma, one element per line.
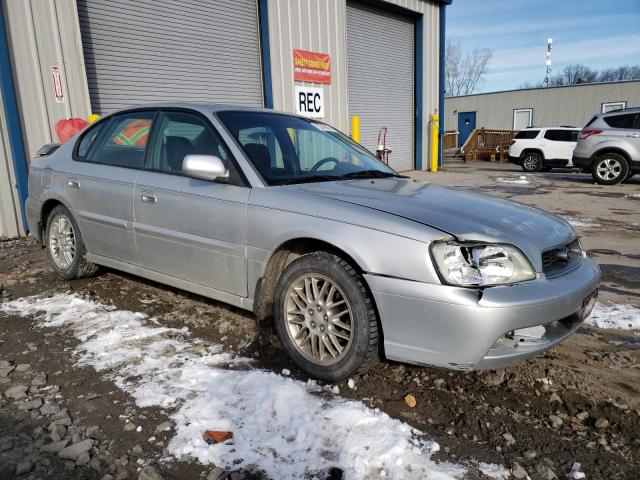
<point>531,162</point>
<point>325,318</point>
<point>609,168</point>
<point>65,247</point>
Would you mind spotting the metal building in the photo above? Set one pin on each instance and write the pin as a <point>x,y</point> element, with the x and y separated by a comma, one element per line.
<point>551,106</point>
<point>378,59</point>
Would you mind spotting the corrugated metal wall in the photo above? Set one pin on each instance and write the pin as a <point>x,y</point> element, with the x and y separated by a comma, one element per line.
<point>381,70</point>
<point>317,26</point>
<point>10,221</point>
<point>141,51</point>
<point>320,26</point>
<point>573,105</point>
<point>44,34</point>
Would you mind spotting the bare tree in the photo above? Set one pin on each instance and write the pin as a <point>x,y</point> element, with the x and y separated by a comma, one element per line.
<point>464,73</point>
<point>578,73</point>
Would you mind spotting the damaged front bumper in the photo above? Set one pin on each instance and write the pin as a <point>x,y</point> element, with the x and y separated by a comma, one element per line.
<point>467,329</point>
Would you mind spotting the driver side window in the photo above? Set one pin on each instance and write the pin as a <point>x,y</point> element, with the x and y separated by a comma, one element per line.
<point>181,134</point>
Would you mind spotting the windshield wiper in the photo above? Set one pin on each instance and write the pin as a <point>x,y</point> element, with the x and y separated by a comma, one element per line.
<point>309,179</point>
<point>371,174</point>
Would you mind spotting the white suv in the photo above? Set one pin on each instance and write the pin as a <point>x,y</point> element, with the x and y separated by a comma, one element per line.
<point>542,148</point>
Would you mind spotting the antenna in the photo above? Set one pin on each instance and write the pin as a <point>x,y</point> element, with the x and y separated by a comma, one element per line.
<point>545,82</point>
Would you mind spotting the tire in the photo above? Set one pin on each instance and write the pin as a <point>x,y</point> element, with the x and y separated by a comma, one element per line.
<point>65,247</point>
<point>531,162</point>
<point>629,175</point>
<point>308,327</point>
<point>609,169</point>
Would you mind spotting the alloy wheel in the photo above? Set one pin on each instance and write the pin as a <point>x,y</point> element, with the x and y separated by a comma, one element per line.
<point>609,169</point>
<point>62,241</point>
<point>531,163</point>
<point>319,319</point>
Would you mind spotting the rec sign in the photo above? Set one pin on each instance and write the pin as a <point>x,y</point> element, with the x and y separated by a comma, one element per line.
<point>310,101</point>
<point>311,67</point>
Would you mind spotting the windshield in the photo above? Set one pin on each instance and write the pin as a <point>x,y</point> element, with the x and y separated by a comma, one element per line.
<point>287,149</point>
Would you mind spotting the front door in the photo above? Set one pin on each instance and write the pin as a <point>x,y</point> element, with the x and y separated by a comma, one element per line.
<point>100,186</point>
<point>189,228</point>
<point>466,125</point>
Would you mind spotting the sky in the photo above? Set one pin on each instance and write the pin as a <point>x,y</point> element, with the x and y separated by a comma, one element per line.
<point>596,33</point>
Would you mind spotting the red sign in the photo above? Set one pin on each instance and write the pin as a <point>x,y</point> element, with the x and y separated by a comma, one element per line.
<point>57,84</point>
<point>311,66</point>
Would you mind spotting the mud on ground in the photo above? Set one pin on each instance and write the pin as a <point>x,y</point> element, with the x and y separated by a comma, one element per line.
<point>577,402</point>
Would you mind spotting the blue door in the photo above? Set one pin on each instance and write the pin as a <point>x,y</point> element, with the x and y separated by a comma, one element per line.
<point>466,124</point>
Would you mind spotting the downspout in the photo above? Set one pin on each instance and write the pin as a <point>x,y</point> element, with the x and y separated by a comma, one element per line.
<point>14,130</point>
<point>441,113</point>
<point>265,51</point>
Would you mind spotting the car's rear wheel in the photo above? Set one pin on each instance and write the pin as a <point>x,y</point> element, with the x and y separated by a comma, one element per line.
<point>609,168</point>
<point>531,162</point>
<point>65,247</point>
<point>325,318</point>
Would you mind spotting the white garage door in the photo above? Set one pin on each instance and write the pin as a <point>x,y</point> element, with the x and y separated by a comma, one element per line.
<point>380,65</point>
<point>140,51</point>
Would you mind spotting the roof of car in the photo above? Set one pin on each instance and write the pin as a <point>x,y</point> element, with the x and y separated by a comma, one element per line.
<point>203,107</point>
<point>560,127</point>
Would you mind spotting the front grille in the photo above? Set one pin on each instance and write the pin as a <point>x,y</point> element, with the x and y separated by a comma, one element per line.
<point>560,259</point>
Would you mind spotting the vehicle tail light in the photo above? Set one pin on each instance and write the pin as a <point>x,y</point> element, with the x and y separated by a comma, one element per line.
<point>588,133</point>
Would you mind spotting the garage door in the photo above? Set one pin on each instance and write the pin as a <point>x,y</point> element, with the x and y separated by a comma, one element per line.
<point>380,65</point>
<point>140,51</point>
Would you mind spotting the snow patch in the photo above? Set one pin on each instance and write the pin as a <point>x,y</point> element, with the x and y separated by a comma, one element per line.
<point>285,427</point>
<point>581,222</point>
<point>492,470</point>
<point>522,180</point>
<point>616,316</point>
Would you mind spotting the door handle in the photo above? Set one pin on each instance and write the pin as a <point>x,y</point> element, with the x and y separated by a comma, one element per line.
<point>148,198</point>
<point>634,135</point>
<point>73,183</point>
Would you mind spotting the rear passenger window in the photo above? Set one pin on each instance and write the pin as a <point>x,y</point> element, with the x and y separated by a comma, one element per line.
<point>527,134</point>
<point>620,121</point>
<point>88,140</point>
<point>559,135</point>
<point>125,140</point>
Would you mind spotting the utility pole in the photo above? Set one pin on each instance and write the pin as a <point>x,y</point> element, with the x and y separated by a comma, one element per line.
<point>545,82</point>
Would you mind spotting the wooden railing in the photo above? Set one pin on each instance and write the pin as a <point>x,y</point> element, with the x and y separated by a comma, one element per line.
<point>488,144</point>
<point>450,139</point>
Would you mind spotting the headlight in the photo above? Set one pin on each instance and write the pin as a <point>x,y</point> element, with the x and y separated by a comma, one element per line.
<point>474,265</point>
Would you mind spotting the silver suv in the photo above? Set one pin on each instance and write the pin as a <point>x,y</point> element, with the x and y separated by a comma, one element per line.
<point>609,146</point>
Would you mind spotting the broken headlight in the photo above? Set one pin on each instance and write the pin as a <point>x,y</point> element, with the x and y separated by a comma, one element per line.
<point>478,265</point>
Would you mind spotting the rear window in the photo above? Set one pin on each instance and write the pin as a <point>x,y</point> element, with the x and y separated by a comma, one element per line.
<point>560,135</point>
<point>620,121</point>
<point>525,134</point>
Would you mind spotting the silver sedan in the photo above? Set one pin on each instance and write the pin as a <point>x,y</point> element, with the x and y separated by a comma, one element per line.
<point>290,218</point>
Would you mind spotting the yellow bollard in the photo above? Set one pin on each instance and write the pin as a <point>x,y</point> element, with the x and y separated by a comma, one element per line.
<point>355,128</point>
<point>434,142</point>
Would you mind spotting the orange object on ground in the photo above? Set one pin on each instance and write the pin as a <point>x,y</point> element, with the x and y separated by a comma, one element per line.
<point>67,128</point>
<point>216,436</point>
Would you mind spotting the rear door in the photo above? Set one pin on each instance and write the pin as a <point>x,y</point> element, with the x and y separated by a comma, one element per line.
<point>189,228</point>
<point>557,144</point>
<point>108,158</point>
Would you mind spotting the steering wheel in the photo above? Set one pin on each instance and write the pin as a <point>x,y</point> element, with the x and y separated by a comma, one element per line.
<point>322,162</point>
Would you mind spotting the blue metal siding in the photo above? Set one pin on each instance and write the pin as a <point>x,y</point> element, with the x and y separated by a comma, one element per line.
<point>16,140</point>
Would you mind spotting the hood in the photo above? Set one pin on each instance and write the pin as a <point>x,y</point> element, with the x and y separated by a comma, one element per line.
<point>465,215</point>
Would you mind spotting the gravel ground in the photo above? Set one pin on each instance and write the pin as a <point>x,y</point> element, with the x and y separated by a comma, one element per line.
<point>579,402</point>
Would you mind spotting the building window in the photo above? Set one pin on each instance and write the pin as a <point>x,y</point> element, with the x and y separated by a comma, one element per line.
<point>522,118</point>
<point>608,107</point>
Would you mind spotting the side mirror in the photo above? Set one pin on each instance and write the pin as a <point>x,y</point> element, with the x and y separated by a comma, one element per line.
<point>206,167</point>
